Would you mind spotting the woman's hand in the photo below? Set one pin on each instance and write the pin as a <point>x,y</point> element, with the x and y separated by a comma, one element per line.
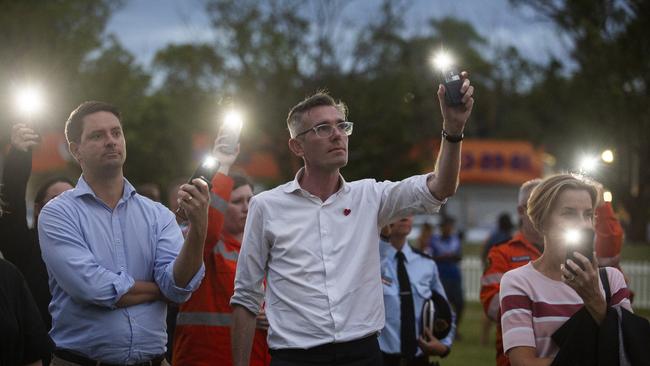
<point>586,285</point>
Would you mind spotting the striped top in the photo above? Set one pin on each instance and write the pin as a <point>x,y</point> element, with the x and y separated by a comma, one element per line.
<point>534,306</point>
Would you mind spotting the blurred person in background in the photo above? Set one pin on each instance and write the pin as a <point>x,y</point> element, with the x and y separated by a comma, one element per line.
<point>23,337</point>
<point>447,251</point>
<point>424,238</point>
<point>409,278</point>
<point>501,234</point>
<point>114,257</point>
<point>19,244</point>
<point>539,297</point>
<point>526,245</point>
<point>149,190</point>
<point>202,334</point>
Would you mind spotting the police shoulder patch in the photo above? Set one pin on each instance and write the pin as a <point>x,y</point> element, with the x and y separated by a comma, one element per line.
<point>419,252</point>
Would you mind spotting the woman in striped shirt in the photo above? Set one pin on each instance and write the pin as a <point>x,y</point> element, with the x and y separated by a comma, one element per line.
<point>536,299</point>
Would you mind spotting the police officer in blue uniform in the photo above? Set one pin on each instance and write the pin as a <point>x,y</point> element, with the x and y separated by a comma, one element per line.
<point>409,277</point>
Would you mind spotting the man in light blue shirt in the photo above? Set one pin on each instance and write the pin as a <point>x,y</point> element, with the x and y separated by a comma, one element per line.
<point>422,275</point>
<point>114,257</point>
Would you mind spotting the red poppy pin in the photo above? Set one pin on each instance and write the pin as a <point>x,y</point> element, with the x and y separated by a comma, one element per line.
<point>346,211</point>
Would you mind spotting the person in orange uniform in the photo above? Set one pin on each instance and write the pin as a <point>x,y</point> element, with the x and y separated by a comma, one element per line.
<point>202,335</point>
<point>526,245</point>
<point>609,233</point>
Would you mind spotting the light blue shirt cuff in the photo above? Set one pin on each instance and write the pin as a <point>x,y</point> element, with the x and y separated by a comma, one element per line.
<point>122,285</point>
<point>181,294</point>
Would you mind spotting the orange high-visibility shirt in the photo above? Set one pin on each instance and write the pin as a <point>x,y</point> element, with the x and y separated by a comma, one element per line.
<point>609,236</point>
<point>202,336</point>
<point>501,259</point>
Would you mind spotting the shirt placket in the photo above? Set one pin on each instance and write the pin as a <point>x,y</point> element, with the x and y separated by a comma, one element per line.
<point>327,243</point>
<point>118,241</point>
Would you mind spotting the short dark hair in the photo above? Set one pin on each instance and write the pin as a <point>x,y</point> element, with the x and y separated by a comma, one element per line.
<point>74,125</point>
<point>240,179</point>
<point>42,190</point>
<point>321,98</point>
<point>505,224</point>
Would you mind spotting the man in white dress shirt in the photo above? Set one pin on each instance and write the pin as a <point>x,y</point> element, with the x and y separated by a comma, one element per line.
<point>315,239</point>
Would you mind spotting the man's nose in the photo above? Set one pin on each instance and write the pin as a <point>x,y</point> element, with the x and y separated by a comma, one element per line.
<point>338,133</point>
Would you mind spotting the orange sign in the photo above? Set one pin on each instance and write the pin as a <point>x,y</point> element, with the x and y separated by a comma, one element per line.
<point>499,161</point>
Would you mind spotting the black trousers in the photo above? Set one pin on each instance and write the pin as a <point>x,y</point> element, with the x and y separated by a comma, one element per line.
<point>397,360</point>
<point>361,352</point>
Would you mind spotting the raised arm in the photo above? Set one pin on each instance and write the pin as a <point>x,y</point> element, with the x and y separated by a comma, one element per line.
<point>13,223</point>
<point>194,199</point>
<point>444,182</point>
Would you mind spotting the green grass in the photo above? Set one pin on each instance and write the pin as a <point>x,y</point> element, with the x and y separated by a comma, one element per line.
<point>631,251</point>
<point>469,351</point>
<point>636,252</point>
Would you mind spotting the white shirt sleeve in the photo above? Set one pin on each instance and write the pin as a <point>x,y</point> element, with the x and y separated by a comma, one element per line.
<point>252,261</point>
<point>407,197</point>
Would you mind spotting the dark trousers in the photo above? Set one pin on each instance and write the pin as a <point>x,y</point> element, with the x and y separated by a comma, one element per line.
<point>397,360</point>
<point>361,352</point>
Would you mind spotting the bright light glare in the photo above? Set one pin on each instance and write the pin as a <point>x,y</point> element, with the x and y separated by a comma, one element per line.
<point>588,164</point>
<point>29,100</point>
<point>607,196</point>
<point>607,156</point>
<point>209,162</point>
<point>233,121</point>
<point>572,236</point>
<point>442,60</point>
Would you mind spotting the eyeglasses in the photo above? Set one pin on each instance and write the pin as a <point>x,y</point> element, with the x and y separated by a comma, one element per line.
<point>326,130</point>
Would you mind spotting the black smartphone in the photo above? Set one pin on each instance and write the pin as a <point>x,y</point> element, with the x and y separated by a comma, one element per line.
<point>453,83</point>
<point>580,241</point>
<point>206,171</point>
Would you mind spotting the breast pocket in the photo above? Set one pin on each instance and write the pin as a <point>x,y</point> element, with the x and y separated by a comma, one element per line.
<point>423,290</point>
<point>391,297</point>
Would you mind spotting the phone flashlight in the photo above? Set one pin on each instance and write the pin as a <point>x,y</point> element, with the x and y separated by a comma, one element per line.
<point>206,170</point>
<point>450,78</point>
<point>29,101</point>
<point>232,124</point>
<point>580,241</point>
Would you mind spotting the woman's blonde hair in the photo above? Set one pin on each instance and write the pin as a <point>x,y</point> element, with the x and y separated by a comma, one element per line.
<point>544,197</point>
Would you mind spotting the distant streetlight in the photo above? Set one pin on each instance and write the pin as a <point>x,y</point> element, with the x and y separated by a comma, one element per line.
<point>607,156</point>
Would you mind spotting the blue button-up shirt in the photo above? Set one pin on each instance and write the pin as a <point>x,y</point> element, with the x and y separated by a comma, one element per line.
<point>423,275</point>
<point>94,254</point>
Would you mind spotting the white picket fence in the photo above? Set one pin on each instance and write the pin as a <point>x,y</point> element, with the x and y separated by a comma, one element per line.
<point>638,274</point>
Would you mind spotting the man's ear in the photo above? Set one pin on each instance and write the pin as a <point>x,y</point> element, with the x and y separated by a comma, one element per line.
<point>73,147</point>
<point>296,147</point>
